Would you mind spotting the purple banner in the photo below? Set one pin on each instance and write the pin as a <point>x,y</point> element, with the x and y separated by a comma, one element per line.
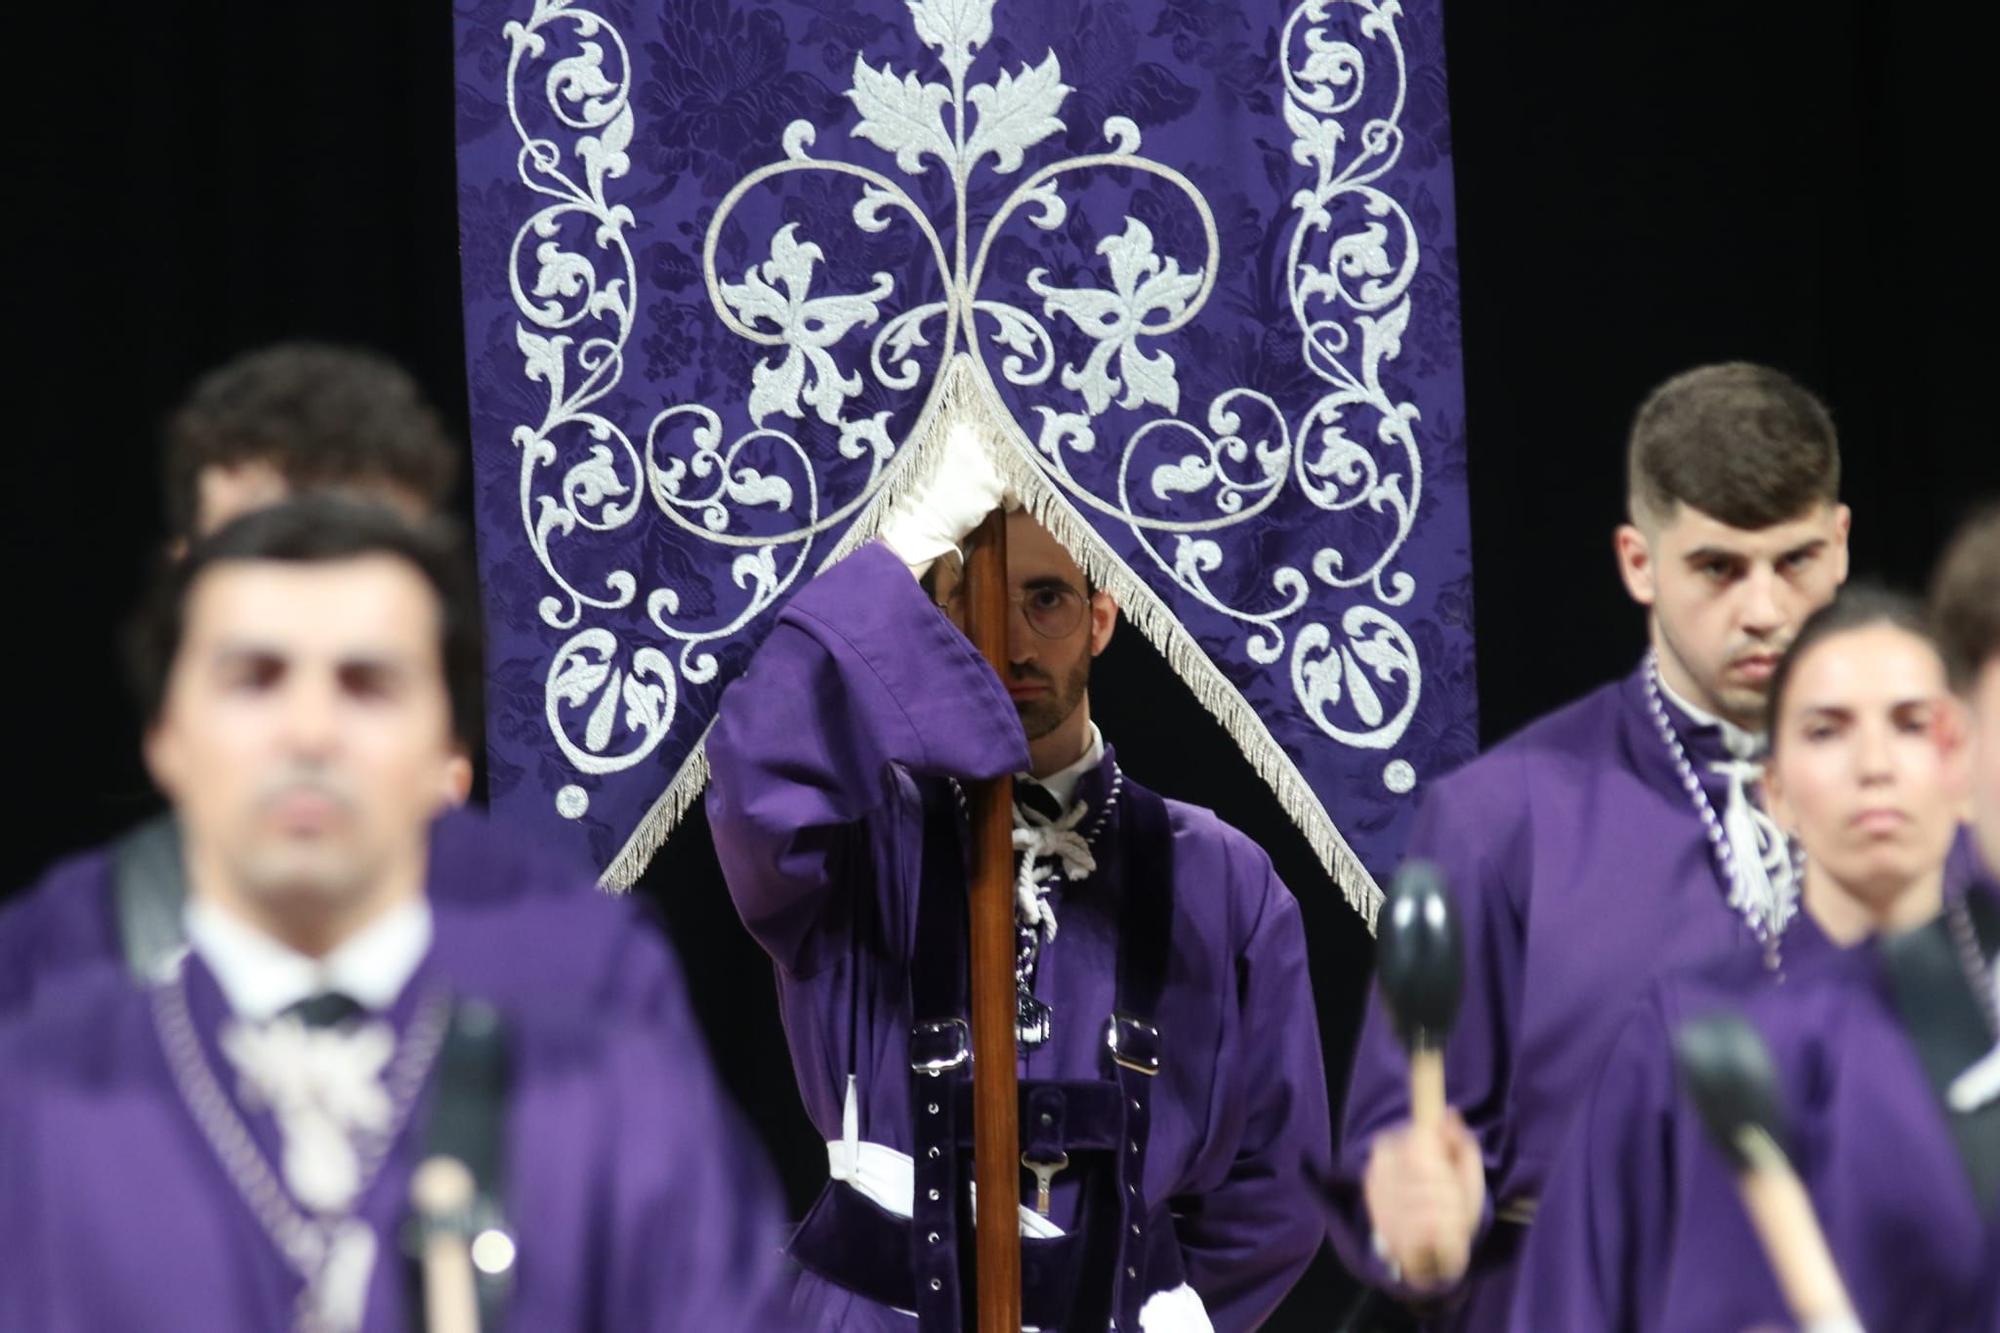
<point>728,267</point>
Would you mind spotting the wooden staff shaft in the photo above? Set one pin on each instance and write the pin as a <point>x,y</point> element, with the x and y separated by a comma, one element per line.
<point>996,1145</point>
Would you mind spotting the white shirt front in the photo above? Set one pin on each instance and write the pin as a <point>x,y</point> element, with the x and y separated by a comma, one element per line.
<point>1745,745</point>
<point>1765,880</point>
<point>262,977</point>
<point>1062,782</point>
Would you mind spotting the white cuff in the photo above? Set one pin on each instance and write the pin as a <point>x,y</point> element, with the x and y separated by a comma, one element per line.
<point>1176,1311</point>
<point>964,486</point>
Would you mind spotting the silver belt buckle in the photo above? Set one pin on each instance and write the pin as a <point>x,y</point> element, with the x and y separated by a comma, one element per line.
<point>940,1046</point>
<point>1134,1044</point>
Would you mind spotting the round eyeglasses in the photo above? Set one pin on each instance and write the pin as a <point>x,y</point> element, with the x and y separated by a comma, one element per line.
<point>1052,610</point>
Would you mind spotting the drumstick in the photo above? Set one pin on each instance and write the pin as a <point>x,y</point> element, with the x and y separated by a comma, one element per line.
<point>1421,968</point>
<point>1728,1073</point>
<point>442,1192</point>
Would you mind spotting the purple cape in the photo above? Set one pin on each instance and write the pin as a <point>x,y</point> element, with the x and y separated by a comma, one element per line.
<point>483,884</point>
<point>632,1200</point>
<point>861,691</point>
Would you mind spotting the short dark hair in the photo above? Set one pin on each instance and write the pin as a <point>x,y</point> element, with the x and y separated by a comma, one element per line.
<point>321,415</point>
<point>317,529</point>
<point>1856,606</point>
<point>1965,598</point>
<point>1744,444</point>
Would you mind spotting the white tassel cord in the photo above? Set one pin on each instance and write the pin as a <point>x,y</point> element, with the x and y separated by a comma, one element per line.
<point>1057,845</point>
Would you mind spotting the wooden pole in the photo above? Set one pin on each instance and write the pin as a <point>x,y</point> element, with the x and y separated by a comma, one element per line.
<point>996,1148</point>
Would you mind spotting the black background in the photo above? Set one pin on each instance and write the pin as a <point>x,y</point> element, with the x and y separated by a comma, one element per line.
<point>1641,188</point>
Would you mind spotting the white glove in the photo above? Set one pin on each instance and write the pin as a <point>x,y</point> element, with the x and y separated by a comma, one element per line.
<point>963,488</point>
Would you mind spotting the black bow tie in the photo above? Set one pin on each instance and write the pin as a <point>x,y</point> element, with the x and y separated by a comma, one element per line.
<point>325,1010</point>
<point>1033,796</point>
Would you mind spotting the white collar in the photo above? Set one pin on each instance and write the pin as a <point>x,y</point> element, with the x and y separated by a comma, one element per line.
<point>1740,743</point>
<point>261,977</point>
<point>1062,782</point>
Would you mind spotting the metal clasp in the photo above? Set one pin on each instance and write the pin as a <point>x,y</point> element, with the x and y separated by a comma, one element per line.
<point>940,1046</point>
<point>1135,1044</point>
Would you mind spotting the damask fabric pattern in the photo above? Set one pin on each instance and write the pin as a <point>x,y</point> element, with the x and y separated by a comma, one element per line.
<point>727,266</point>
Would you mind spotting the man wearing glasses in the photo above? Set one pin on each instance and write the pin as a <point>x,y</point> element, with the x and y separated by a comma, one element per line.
<point>1173,1097</point>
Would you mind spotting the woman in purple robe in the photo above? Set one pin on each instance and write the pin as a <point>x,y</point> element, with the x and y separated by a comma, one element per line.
<point>1641,1226</point>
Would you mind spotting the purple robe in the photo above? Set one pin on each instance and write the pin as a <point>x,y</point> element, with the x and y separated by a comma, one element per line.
<point>1580,871</point>
<point>479,877</point>
<point>1641,1226</point>
<point>861,691</point>
<point>632,1201</point>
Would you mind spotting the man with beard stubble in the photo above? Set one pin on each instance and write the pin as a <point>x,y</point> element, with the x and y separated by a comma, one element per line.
<point>1169,1056</point>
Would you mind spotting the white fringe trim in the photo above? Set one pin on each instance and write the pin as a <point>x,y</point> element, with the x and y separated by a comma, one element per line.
<point>964,391</point>
<point>651,835</point>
